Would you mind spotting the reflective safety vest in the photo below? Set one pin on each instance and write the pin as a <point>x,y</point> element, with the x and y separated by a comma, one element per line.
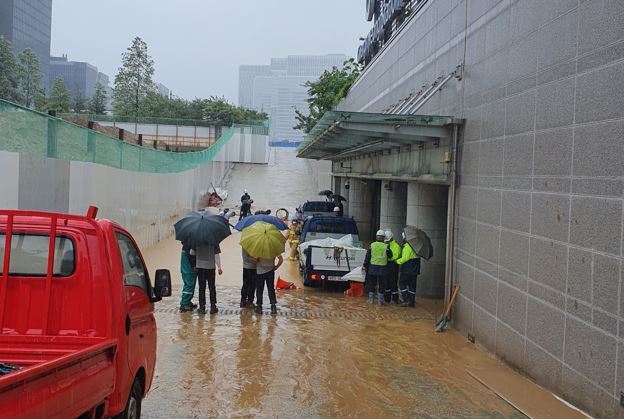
<point>395,248</point>
<point>378,254</point>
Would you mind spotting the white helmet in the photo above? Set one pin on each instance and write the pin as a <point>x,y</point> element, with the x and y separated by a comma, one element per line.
<point>380,233</point>
<point>336,209</point>
<point>389,235</point>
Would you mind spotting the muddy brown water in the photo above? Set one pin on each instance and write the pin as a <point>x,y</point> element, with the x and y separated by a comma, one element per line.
<point>323,355</point>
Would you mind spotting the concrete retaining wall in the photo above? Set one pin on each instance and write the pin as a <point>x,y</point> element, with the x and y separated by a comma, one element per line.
<point>539,250</point>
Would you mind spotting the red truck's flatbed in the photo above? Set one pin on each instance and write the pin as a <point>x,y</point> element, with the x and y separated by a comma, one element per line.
<point>61,376</point>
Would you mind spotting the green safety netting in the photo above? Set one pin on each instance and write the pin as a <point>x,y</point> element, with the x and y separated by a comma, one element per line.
<point>23,130</point>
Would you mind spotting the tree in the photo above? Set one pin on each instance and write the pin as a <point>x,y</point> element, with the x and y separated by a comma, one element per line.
<point>9,72</point>
<point>325,93</point>
<point>41,101</point>
<point>97,104</point>
<point>134,80</point>
<point>80,102</point>
<point>59,96</point>
<point>29,76</point>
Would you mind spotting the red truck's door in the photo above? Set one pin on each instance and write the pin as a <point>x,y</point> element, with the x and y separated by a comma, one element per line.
<point>140,323</point>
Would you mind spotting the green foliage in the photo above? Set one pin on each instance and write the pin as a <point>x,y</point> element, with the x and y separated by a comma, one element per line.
<point>215,109</point>
<point>325,93</point>
<point>29,76</point>
<point>59,96</point>
<point>41,101</point>
<point>9,73</point>
<point>79,104</point>
<point>133,82</point>
<point>97,103</point>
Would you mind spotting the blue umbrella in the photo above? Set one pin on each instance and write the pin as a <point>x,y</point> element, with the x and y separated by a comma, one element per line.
<point>247,221</point>
<point>202,229</point>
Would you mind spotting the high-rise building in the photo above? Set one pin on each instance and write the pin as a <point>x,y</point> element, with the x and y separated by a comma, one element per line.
<point>246,76</point>
<point>77,76</point>
<point>28,24</point>
<point>162,89</point>
<point>278,89</point>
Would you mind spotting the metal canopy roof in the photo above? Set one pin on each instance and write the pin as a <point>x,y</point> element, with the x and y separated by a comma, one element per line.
<point>339,135</point>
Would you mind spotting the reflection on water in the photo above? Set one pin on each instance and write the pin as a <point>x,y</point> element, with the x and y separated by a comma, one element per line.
<point>243,364</point>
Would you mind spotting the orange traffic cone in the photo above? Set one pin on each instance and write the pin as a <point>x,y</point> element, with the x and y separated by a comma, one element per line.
<point>284,285</point>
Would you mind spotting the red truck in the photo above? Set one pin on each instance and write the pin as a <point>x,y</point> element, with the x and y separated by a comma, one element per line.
<point>77,327</point>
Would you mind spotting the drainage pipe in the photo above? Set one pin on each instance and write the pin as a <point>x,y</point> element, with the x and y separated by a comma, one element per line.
<point>450,223</point>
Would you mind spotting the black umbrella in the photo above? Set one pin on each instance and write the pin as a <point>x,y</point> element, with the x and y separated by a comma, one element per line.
<point>338,198</point>
<point>201,229</point>
<point>326,192</point>
<point>419,241</point>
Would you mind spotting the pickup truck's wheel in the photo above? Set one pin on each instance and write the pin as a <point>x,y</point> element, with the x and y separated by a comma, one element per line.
<point>133,407</point>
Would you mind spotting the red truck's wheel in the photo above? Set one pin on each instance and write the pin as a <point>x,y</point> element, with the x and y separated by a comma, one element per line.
<point>133,407</point>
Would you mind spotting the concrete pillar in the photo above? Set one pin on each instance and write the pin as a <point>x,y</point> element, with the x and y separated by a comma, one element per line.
<point>361,205</point>
<point>427,210</point>
<point>393,207</point>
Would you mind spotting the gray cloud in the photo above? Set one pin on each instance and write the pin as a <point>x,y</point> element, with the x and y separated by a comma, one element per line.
<point>198,44</point>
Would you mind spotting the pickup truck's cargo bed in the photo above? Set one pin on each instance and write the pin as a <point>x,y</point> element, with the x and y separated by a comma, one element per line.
<point>57,372</point>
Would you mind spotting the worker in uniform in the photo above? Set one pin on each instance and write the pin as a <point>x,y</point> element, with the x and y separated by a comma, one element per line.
<point>245,197</point>
<point>410,269</point>
<point>189,278</point>
<point>294,234</point>
<point>392,270</point>
<point>375,264</point>
<point>245,209</point>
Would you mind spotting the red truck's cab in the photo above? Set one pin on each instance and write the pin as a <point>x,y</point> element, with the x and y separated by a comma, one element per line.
<point>76,317</point>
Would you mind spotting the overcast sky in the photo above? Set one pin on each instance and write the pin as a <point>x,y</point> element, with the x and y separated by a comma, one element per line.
<point>197,45</point>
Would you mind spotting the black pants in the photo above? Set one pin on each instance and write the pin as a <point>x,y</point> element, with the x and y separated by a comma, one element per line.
<point>269,278</point>
<point>408,287</point>
<point>373,280</point>
<point>203,276</point>
<point>249,285</point>
<point>392,282</point>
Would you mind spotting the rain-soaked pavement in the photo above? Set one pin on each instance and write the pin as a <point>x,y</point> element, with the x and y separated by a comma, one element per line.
<point>323,355</point>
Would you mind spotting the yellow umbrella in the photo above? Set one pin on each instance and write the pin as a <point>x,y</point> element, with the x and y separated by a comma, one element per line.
<point>262,240</point>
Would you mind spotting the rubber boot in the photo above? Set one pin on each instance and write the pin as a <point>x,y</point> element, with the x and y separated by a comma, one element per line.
<point>258,309</point>
<point>380,298</point>
<point>388,296</point>
<point>213,309</point>
<point>395,298</point>
<point>273,309</point>
<point>412,300</point>
<point>371,297</point>
<point>404,297</point>
<point>201,310</point>
<point>243,303</point>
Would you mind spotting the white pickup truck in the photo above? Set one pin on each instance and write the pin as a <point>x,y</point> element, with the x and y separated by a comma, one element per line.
<point>329,249</point>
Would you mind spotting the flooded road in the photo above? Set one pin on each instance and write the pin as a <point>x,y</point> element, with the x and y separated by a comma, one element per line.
<point>323,355</point>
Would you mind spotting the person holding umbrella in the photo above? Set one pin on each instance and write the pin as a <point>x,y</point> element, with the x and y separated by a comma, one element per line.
<point>339,212</point>
<point>414,240</point>
<point>203,232</point>
<point>264,242</point>
<point>208,261</point>
<point>265,274</point>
